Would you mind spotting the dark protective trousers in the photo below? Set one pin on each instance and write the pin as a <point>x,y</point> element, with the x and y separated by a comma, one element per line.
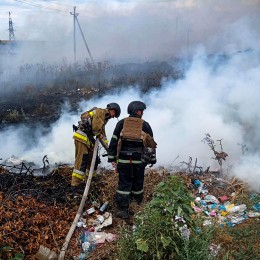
<point>130,184</point>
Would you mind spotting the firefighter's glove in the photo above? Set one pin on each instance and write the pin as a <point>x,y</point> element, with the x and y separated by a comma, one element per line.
<point>152,162</point>
<point>75,128</point>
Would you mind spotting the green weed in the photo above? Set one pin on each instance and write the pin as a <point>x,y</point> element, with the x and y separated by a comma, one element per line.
<point>158,233</point>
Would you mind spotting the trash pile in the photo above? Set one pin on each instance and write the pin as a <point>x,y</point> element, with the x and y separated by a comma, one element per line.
<point>215,199</point>
<point>37,211</point>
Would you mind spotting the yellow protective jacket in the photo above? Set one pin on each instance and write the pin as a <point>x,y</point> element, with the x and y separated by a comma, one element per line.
<point>95,119</point>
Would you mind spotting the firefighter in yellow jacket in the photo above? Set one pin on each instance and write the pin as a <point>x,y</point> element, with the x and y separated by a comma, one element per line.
<point>91,126</point>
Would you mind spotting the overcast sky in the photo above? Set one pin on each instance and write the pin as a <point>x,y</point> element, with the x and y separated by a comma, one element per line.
<point>140,30</point>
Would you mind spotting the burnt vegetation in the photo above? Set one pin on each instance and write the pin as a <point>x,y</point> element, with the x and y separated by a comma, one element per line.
<point>36,92</point>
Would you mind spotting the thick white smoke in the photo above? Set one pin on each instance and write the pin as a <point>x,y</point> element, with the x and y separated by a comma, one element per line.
<point>222,100</point>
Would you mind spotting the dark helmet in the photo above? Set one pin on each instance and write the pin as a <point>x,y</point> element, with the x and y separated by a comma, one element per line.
<point>116,107</point>
<point>134,106</point>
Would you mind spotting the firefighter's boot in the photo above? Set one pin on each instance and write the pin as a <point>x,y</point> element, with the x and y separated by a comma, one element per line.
<point>124,214</point>
<point>76,181</point>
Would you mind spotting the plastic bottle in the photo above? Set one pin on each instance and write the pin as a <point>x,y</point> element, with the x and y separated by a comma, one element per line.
<point>99,220</point>
<point>103,207</point>
<point>239,208</point>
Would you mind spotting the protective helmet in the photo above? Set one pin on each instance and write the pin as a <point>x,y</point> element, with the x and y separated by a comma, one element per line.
<point>134,106</point>
<point>116,107</point>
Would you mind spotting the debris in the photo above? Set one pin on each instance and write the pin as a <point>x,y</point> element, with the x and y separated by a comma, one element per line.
<point>45,253</point>
<point>91,210</point>
<point>252,214</point>
<point>107,222</point>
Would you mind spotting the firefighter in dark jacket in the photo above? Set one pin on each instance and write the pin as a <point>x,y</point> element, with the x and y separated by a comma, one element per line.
<point>91,126</point>
<point>131,149</point>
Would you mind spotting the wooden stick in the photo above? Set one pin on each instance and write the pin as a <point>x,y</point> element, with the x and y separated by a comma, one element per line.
<point>83,200</point>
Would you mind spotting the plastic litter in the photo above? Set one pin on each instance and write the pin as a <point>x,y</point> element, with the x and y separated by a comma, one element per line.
<point>223,198</point>
<point>185,232</point>
<point>90,210</point>
<point>213,206</point>
<point>211,199</point>
<point>207,222</point>
<point>214,249</point>
<point>107,221</point>
<point>99,220</point>
<point>103,207</point>
<point>256,206</point>
<point>239,208</point>
<point>238,219</point>
<point>252,214</point>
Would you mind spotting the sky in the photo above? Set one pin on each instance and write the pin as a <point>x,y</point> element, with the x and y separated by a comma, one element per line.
<point>132,30</point>
<point>221,99</point>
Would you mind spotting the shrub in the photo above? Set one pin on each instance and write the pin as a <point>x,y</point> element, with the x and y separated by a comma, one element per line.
<point>166,229</point>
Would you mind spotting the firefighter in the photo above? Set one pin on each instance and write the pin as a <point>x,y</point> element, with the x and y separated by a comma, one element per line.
<point>131,149</point>
<point>91,126</point>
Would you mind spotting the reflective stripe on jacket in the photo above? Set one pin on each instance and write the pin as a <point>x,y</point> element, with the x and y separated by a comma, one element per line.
<point>82,137</point>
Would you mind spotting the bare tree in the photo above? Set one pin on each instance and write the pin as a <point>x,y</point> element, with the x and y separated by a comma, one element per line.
<point>219,156</point>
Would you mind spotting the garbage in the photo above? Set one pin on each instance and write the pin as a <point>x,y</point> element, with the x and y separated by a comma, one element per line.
<point>213,214</point>
<point>107,221</point>
<point>201,187</point>
<point>198,199</point>
<point>238,219</point>
<point>85,246</point>
<point>211,199</point>
<point>88,245</point>
<point>185,232</point>
<point>239,208</point>
<point>197,183</point>
<point>212,206</point>
<point>99,220</point>
<point>196,209</point>
<point>45,253</point>
<point>103,207</point>
<point>256,206</point>
<point>207,222</point>
<point>223,198</point>
<point>252,214</point>
<point>90,210</point>
<point>101,237</point>
<point>214,249</point>
<point>81,222</point>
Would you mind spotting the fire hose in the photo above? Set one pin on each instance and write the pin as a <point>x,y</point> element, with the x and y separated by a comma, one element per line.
<point>83,200</point>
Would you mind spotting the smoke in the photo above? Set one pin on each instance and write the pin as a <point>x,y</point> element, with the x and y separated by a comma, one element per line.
<point>218,94</point>
<point>219,98</point>
<point>129,30</point>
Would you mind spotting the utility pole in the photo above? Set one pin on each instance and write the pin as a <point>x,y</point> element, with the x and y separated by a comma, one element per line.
<point>11,29</point>
<point>74,28</point>
<point>85,41</point>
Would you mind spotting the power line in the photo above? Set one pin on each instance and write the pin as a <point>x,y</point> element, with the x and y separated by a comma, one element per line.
<point>41,6</point>
<point>55,2</point>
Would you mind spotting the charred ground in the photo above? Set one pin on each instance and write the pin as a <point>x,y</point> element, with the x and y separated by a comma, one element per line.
<point>37,92</point>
